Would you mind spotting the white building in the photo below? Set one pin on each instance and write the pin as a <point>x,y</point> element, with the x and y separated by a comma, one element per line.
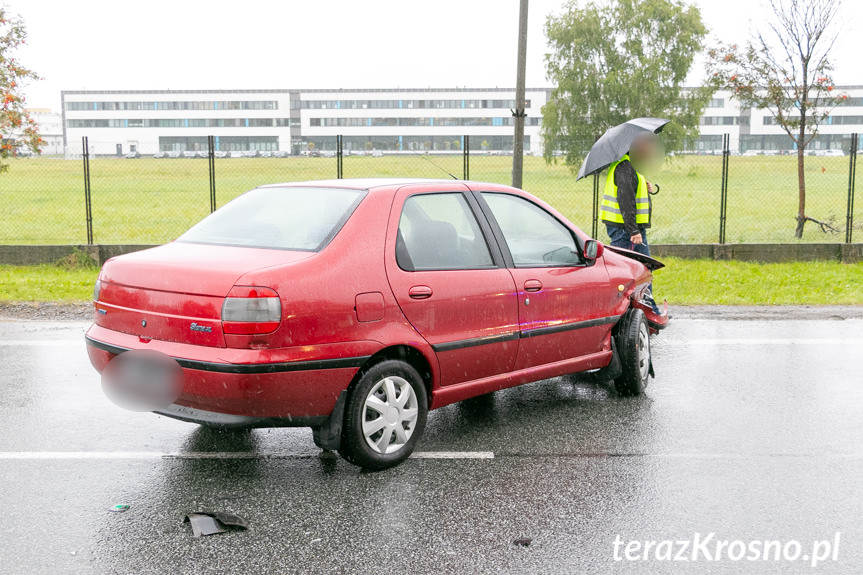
<point>393,120</point>
<point>297,121</point>
<point>756,130</point>
<point>50,126</point>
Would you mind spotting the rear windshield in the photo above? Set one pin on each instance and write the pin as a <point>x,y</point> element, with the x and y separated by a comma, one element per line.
<point>303,219</point>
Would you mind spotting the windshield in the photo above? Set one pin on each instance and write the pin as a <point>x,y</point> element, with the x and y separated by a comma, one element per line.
<point>304,219</point>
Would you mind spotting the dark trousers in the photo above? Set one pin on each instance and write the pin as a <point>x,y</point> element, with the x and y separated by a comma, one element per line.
<point>620,239</point>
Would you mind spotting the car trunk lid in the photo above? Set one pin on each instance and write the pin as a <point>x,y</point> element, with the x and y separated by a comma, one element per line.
<point>175,292</point>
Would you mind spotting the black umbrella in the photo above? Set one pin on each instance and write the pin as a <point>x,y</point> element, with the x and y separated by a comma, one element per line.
<point>616,142</point>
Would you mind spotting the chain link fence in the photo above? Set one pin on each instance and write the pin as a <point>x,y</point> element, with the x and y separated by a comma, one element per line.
<point>715,198</point>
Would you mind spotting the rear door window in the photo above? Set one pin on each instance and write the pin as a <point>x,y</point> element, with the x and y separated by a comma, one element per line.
<point>440,232</point>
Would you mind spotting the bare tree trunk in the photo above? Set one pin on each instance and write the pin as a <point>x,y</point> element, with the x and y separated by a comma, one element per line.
<point>801,173</point>
<point>801,194</point>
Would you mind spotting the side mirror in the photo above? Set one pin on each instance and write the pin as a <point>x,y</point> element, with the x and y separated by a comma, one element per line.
<point>592,250</point>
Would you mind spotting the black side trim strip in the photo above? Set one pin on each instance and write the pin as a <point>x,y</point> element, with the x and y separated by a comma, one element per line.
<point>569,326</point>
<point>257,368</point>
<point>463,343</point>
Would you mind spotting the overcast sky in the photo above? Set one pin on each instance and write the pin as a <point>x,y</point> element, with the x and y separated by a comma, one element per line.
<point>198,44</point>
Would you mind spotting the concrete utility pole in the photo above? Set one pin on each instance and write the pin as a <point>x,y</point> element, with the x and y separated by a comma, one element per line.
<point>518,113</point>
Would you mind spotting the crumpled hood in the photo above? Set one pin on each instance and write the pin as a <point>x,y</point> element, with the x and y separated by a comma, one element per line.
<point>649,262</point>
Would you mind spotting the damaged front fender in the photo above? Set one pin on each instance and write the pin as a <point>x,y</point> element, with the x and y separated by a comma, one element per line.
<point>655,321</point>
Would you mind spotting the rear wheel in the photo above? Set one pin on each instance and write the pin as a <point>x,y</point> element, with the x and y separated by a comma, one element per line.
<point>385,416</point>
<point>633,345</point>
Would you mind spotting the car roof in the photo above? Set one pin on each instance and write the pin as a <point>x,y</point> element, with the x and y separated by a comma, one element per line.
<point>371,183</point>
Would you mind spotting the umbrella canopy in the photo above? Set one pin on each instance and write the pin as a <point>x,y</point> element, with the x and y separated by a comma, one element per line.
<point>616,142</point>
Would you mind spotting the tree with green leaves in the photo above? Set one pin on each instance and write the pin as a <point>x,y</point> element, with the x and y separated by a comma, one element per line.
<point>786,71</point>
<point>614,61</point>
<point>18,131</point>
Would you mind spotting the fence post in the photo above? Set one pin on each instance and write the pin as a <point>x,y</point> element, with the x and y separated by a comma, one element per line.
<point>595,223</point>
<point>211,157</point>
<point>723,198</point>
<point>466,158</point>
<point>88,207</point>
<point>340,168</point>
<point>852,176</point>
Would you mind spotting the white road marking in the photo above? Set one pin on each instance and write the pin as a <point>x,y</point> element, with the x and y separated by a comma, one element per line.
<point>453,455</point>
<point>41,343</point>
<point>765,341</point>
<point>59,455</point>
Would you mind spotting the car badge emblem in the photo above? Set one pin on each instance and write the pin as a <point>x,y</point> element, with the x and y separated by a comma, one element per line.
<point>202,328</point>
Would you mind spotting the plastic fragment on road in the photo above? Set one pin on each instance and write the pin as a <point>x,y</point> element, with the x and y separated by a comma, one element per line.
<point>523,541</point>
<point>212,522</point>
<point>119,508</point>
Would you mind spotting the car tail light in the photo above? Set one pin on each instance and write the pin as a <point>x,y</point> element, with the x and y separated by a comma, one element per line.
<point>250,310</point>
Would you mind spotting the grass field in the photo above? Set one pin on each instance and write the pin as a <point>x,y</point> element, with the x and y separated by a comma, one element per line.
<point>682,282</point>
<point>153,201</point>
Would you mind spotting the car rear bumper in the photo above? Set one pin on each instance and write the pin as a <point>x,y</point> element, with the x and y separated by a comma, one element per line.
<point>245,387</point>
<point>227,420</point>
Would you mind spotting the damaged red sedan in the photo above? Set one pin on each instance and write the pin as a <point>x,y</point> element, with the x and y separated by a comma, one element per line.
<point>355,306</point>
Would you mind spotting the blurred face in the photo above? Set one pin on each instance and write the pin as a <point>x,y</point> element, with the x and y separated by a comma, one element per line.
<point>647,153</point>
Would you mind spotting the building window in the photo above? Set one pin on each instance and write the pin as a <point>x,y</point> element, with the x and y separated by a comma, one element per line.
<point>720,120</point>
<point>173,105</point>
<point>406,104</point>
<point>223,143</point>
<point>420,121</point>
<point>181,123</point>
<point>843,120</point>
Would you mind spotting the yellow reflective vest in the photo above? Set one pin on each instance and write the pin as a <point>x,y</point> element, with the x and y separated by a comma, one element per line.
<point>610,211</point>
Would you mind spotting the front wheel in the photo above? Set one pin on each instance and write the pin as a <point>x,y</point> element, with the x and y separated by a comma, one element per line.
<point>385,416</point>
<point>633,345</point>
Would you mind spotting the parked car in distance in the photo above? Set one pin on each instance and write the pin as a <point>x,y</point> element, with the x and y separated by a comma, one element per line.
<point>159,155</point>
<point>175,154</point>
<point>221,154</point>
<point>280,154</point>
<point>830,153</point>
<point>131,155</point>
<point>355,306</point>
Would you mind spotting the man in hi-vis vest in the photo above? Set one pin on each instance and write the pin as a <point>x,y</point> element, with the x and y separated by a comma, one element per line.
<point>626,205</point>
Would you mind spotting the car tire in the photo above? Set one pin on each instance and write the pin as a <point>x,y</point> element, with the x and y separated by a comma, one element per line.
<point>385,415</point>
<point>633,345</point>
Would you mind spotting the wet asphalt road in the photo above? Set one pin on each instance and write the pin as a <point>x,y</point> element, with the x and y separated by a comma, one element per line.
<point>753,431</point>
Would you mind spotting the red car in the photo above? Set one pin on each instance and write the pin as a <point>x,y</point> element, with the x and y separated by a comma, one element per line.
<point>355,306</point>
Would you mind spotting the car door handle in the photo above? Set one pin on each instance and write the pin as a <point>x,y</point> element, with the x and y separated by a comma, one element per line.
<point>532,285</point>
<point>420,292</point>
